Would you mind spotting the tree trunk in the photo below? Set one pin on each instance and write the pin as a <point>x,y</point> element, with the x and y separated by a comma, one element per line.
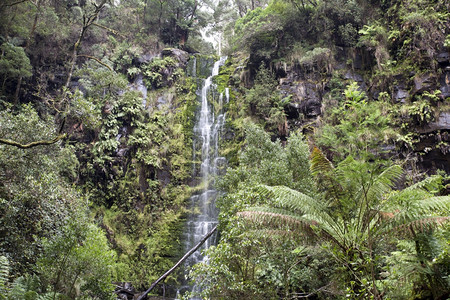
<point>87,22</point>
<point>189,253</point>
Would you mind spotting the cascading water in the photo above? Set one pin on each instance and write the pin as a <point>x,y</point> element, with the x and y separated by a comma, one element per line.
<point>206,143</point>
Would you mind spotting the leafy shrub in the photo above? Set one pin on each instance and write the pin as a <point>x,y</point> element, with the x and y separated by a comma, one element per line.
<point>356,126</point>
<point>77,261</point>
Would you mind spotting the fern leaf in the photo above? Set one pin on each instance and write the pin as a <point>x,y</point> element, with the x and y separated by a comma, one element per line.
<point>420,215</point>
<point>384,182</point>
<point>4,274</point>
<point>49,296</point>
<point>295,208</point>
<point>438,204</point>
<point>277,219</point>
<point>284,197</point>
<point>419,225</point>
<point>324,172</point>
<point>429,184</point>
<point>320,163</point>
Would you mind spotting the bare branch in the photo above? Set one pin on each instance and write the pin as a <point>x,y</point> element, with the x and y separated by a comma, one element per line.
<point>113,31</point>
<point>32,144</point>
<point>97,60</point>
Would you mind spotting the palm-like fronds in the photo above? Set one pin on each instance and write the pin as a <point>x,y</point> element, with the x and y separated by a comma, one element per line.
<point>356,209</point>
<point>284,197</point>
<point>297,211</point>
<point>384,182</point>
<point>367,208</point>
<point>429,184</point>
<point>268,219</point>
<point>418,215</point>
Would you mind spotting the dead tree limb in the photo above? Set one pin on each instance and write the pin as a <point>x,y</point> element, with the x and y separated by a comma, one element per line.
<point>96,59</point>
<point>32,144</point>
<point>189,253</point>
<point>113,31</point>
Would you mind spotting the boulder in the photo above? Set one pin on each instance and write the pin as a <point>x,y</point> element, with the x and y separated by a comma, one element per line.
<point>444,83</point>
<point>442,123</point>
<point>443,57</point>
<point>306,99</point>
<point>400,94</point>
<point>181,56</point>
<point>424,82</point>
<point>354,76</point>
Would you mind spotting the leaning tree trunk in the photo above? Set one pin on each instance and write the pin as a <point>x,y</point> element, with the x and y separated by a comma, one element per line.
<point>189,253</point>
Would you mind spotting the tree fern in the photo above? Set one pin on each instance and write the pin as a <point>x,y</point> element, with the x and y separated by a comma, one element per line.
<point>25,287</point>
<point>320,163</point>
<point>359,212</point>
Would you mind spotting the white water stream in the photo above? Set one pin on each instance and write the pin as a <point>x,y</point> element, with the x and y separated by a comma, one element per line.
<point>206,143</point>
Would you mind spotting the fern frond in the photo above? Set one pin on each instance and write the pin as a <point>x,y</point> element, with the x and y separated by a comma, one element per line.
<point>384,182</point>
<point>320,163</point>
<point>285,223</point>
<point>420,215</point>
<point>295,208</point>
<point>49,296</point>
<point>18,289</point>
<point>276,219</point>
<point>438,204</point>
<point>429,184</point>
<point>4,274</point>
<point>410,229</point>
<point>273,234</point>
<point>325,174</point>
<point>284,197</point>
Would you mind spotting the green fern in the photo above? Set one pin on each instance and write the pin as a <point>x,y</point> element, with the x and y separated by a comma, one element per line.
<point>361,209</point>
<point>4,276</point>
<point>49,296</point>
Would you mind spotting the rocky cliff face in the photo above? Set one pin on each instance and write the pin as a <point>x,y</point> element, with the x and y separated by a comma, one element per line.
<point>421,98</point>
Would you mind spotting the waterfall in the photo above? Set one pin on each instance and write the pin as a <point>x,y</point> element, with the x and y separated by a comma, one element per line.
<point>206,143</point>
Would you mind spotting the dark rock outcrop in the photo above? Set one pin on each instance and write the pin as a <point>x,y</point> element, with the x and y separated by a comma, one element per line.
<point>181,56</point>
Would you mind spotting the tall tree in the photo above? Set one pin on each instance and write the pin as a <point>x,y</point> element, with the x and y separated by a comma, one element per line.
<point>89,14</point>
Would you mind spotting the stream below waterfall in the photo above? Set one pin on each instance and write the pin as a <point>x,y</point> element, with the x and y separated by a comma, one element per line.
<point>207,162</point>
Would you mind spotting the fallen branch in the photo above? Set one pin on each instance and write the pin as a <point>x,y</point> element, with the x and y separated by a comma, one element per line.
<point>32,144</point>
<point>97,60</point>
<point>189,253</point>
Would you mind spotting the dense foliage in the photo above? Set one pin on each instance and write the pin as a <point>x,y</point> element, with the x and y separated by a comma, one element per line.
<point>98,100</point>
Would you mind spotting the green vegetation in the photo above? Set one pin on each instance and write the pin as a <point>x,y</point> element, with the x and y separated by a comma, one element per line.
<point>356,126</point>
<point>98,101</point>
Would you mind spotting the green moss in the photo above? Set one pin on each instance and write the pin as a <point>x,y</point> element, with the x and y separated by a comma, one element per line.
<point>222,80</point>
<point>186,106</point>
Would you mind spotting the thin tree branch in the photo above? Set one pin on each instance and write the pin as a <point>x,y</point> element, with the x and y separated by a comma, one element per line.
<point>113,31</point>
<point>189,253</point>
<point>307,295</point>
<point>15,3</point>
<point>97,60</point>
<point>32,144</point>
